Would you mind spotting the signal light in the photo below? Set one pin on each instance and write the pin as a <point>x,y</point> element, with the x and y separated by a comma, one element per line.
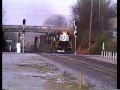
<point>24,21</point>
<point>75,23</point>
<point>64,33</point>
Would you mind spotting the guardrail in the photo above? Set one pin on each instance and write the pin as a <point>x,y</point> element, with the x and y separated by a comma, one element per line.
<point>111,55</point>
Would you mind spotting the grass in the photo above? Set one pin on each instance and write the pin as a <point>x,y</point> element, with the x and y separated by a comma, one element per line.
<point>66,83</point>
<point>62,81</point>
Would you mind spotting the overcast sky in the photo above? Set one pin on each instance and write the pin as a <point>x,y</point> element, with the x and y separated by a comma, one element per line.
<point>35,11</point>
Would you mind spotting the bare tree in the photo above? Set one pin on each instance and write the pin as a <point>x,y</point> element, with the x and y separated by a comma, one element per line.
<point>113,10</point>
<point>3,12</point>
<point>3,15</point>
<point>57,21</point>
<point>8,35</point>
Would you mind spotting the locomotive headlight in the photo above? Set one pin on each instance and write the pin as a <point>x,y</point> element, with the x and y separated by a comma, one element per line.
<point>64,33</point>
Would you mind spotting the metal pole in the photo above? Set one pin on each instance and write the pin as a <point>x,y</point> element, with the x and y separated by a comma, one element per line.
<point>75,38</point>
<point>23,39</point>
<point>23,43</point>
<point>75,44</point>
<point>90,23</point>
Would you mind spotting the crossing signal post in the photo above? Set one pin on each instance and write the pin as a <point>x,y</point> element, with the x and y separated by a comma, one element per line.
<point>75,32</point>
<point>24,22</point>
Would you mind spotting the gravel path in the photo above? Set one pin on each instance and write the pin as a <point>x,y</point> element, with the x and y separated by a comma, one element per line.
<point>35,72</point>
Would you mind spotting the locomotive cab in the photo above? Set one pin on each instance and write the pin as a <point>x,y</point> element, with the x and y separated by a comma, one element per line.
<point>64,45</point>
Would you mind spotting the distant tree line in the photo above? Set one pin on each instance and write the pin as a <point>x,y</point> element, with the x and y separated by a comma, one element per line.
<point>56,20</point>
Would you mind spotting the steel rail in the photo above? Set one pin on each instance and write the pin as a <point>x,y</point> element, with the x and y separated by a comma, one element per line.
<point>81,65</point>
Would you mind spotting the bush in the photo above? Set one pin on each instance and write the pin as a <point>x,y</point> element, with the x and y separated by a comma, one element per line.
<point>110,46</point>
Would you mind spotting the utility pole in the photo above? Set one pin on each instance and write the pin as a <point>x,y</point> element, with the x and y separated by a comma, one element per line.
<point>102,24</point>
<point>99,15</point>
<point>90,23</point>
<point>102,17</point>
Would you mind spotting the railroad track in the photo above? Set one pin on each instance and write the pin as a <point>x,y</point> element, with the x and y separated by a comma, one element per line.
<point>101,68</point>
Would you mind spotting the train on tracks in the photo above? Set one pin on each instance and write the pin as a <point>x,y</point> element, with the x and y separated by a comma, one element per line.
<point>64,44</point>
<point>57,42</point>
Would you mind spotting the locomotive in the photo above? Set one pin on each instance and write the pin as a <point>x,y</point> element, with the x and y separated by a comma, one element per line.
<point>64,45</point>
<point>59,42</point>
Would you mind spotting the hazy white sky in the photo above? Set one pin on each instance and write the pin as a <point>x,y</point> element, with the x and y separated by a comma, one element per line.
<point>34,11</point>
